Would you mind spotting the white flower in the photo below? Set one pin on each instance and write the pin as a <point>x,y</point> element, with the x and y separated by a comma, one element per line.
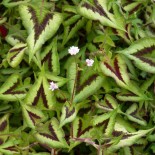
<point>73,50</point>
<point>89,62</point>
<point>53,86</point>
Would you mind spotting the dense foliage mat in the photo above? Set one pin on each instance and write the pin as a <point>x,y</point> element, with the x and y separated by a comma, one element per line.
<point>77,77</point>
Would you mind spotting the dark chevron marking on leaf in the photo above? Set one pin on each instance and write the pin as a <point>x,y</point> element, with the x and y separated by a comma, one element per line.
<point>18,38</point>
<point>42,94</point>
<point>33,116</point>
<point>117,133</point>
<point>10,90</point>
<point>148,61</point>
<point>126,33</point>
<point>60,100</point>
<point>126,136</point>
<point>3,125</point>
<point>45,146</point>
<point>48,59</point>
<point>17,49</point>
<point>86,83</point>
<point>85,130</point>
<point>53,132</point>
<point>134,9</point>
<point>97,9</point>
<point>80,132</point>
<point>108,103</point>
<point>69,113</point>
<point>100,8</point>
<point>103,123</point>
<point>145,51</point>
<point>39,27</point>
<point>11,148</point>
<point>116,71</point>
<point>48,136</point>
<point>1,142</point>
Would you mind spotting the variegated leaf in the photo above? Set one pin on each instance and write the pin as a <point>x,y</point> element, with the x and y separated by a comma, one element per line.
<point>82,84</point>
<point>116,69</point>
<point>32,115</point>
<point>101,118</point>
<point>51,134</point>
<point>108,104</point>
<point>98,12</point>
<point>16,38</point>
<point>10,90</point>
<point>40,26</point>
<point>142,52</point>
<point>80,130</point>
<point>4,128</point>
<point>50,58</point>
<point>10,147</point>
<point>13,3</point>
<point>15,55</point>
<point>129,96</point>
<point>68,114</point>
<point>129,139</point>
<point>40,95</point>
<point>132,7</point>
<point>111,123</point>
<point>132,114</point>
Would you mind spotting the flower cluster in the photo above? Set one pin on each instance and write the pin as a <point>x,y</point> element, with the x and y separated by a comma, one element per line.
<point>73,50</point>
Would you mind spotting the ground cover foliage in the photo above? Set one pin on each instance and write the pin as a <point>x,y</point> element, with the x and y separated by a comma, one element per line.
<point>102,108</point>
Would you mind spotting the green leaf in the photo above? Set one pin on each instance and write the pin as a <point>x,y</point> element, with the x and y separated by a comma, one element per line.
<point>32,116</point>
<point>70,33</point>
<point>4,128</point>
<point>16,38</point>
<point>68,114</point>
<point>10,91</point>
<point>111,123</point>
<point>129,96</point>
<point>50,58</point>
<point>51,135</point>
<point>132,7</point>
<point>16,54</point>
<point>116,69</point>
<point>39,95</point>
<point>40,26</point>
<point>129,139</point>
<point>13,3</point>
<point>9,147</point>
<point>132,114</point>
<point>142,52</point>
<point>84,84</point>
<point>98,12</point>
<point>101,118</point>
<point>108,104</point>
